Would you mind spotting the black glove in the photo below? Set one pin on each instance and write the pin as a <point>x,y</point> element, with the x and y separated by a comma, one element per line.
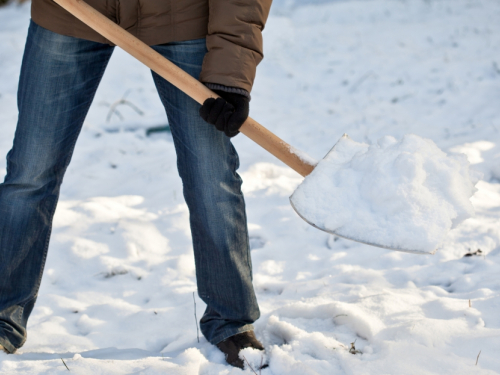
<point>227,113</point>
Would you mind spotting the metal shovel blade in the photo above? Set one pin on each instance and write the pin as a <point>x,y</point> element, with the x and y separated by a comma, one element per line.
<point>332,231</point>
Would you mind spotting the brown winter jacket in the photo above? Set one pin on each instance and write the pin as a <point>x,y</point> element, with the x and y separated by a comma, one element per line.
<point>233,30</point>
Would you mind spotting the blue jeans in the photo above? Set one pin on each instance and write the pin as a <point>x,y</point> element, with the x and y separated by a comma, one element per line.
<point>59,77</point>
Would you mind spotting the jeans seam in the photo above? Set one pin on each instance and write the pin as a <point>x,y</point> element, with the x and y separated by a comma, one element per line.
<point>247,239</point>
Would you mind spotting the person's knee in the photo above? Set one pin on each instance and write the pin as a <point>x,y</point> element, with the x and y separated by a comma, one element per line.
<point>211,173</point>
<point>30,173</point>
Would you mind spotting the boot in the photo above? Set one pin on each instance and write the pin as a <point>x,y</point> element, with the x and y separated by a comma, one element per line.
<point>232,346</point>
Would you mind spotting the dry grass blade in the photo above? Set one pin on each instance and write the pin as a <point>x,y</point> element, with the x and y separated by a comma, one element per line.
<point>65,365</point>
<point>113,110</point>
<point>196,320</point>
<point>249,366</point>
<point>353,349</point>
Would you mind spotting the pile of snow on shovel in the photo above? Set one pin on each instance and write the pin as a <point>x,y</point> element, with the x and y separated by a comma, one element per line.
<point>404,194</point>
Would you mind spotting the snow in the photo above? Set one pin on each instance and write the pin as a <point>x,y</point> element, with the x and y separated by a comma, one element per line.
<point>117,294</point>
<point>403,195</point>
<point>303,156</point>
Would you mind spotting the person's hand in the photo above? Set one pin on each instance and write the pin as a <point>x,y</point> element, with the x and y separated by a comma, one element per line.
<point>226,113</point>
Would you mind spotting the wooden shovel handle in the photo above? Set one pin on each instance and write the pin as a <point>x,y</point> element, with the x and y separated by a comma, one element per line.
<point>179,78</point>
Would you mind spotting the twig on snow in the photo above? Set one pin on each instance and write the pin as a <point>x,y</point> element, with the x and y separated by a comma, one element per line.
<point>358,83</point>
<point>122,101</point>
<point>249,366</point>
<point>196,320</point>
<point>65,365</point>
<point>336,316</point>
<point>353,348</point>
<point>113,109</point>
<point>478,252</point>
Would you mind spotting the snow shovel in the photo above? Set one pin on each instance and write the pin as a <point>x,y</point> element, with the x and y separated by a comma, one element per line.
<point>298,161</point>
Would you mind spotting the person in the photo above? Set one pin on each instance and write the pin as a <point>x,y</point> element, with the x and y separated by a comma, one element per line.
<point>218,42</point>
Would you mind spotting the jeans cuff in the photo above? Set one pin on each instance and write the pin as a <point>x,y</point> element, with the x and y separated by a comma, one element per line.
<point>7,345</point>
<point>231,332</point>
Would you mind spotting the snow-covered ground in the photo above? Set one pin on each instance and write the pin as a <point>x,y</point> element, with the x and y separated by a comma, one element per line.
<point>117,295</point>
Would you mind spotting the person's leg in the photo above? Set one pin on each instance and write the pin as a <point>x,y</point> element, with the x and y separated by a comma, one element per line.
<point>59,77</point>
<point>207,163</point>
